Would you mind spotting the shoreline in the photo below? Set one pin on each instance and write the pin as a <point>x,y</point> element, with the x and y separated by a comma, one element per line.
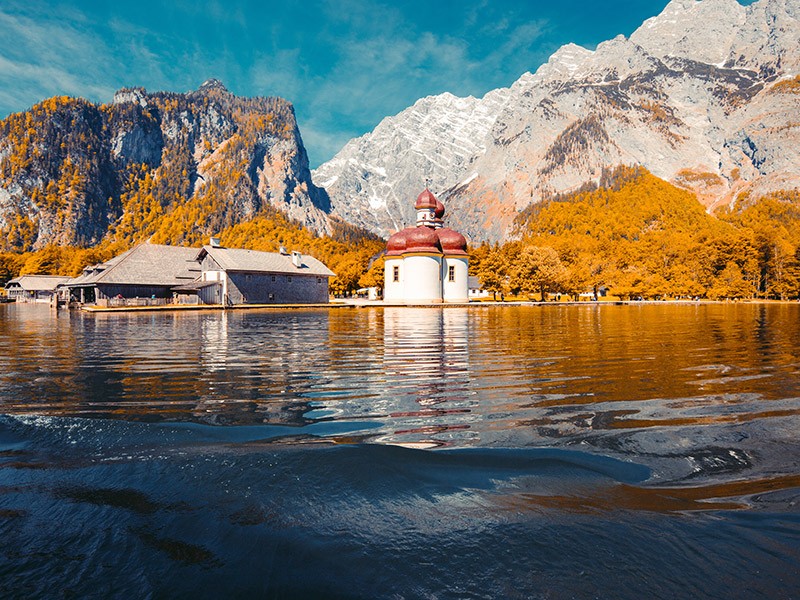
<point>359,303</point>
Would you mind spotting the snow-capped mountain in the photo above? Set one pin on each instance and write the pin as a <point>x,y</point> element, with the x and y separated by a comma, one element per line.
<point>705,95</point>
<point>438,136</point>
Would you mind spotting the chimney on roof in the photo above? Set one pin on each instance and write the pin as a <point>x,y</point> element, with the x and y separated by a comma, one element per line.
<point>283,250</point>
<point>214,242</point>
<point>297,259</point>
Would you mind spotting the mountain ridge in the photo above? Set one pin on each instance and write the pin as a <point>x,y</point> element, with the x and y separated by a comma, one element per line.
<point>689,95</point>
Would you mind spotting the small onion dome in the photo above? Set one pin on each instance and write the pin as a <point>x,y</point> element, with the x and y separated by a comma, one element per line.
<point>439,210</point>
<point>422,239</point>
<point>451,241</point>
<point>426,200</point>
<point>397,243</point>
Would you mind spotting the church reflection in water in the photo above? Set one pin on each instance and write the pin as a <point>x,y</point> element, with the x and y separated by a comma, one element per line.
<point>426,365</point>
<point>405,371</point>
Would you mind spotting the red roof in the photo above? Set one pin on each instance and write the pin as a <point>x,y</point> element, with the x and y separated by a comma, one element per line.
<point>426,200</point>
<point>397,243</point>
<point>451,241</point>
<point>413,239</point>
<point>423,239</point>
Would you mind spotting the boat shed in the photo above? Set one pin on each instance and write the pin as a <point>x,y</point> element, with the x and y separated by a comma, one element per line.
<point>34,288</point>
<point>146,271</point>
<point>232,276</point>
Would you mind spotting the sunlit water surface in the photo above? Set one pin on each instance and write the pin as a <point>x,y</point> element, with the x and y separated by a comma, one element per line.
<point>485,452</point>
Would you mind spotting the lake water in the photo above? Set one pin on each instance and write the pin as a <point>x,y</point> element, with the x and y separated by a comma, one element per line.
<point>641,451</point>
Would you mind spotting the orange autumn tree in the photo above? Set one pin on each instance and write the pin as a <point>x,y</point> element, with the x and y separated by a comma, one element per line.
<point>643,237</point>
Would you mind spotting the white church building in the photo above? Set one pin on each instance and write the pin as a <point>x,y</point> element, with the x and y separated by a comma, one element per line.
<point>426,264</point>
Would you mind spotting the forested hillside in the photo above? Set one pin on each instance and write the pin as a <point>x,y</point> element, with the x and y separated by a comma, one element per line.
<point>348,251</point>
<point>640,236</point>
<point>176,167</point>
<point>80,183</point>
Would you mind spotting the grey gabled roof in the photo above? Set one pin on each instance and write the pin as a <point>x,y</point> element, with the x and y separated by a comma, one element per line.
<point>38,283</point>
<point>253,261</point>
<point>146,264</point>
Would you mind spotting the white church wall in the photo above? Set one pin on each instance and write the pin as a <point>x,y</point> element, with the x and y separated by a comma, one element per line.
<point>456,290</point>
<point>422,280</point>
<point>393,279</point>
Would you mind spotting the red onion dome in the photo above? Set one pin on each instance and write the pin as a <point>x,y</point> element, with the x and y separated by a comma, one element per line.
<point>439,210</point>
<point>397,243</point>
<point>426,200</point>
<point>422,239</point>
<point>451,241</point>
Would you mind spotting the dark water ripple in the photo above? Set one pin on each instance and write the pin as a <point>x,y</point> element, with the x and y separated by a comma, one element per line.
<point>626,452</point>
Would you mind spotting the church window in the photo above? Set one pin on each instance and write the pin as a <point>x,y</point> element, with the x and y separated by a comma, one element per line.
<point>451,273</point>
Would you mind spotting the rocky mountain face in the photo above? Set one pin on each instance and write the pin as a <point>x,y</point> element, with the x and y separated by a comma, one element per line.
<point>173,166</point>
<point>705,95</point>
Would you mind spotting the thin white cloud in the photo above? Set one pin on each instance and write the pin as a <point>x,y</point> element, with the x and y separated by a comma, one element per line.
<point>375,60</point>
<point>47,58</point>
<point>381,70</point>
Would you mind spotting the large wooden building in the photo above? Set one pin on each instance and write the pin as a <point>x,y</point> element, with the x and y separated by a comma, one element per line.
<point>232,276</point>
<point>154,274</point>
<point>146,271</point>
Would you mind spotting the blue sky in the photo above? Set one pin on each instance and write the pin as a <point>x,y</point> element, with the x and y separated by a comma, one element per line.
<point>344,64</point>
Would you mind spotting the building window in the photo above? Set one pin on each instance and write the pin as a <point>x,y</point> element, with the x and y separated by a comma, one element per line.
<point>273,278</point>
<point>319,279</point>
<point>247,277</point>
<point>289,278</point>
<point>395,273</point>
<point>451,273</point>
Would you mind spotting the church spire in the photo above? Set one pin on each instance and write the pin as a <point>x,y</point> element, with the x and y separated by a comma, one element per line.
<point>426,206</point>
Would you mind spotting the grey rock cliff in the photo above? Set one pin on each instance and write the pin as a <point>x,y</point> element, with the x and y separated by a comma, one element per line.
<point>67,166</point>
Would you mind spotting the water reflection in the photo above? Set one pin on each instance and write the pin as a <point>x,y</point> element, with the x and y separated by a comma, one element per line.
<point>426,362</point>
<point>665,435</point>
<point>214,346</point>
<point>698,390</point>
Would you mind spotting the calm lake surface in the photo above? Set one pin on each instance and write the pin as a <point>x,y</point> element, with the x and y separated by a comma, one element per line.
<point>641,451</point>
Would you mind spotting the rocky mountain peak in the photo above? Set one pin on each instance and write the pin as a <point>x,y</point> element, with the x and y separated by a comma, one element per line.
<point>769,38</point>
<point>167,164</point>
<point>133,95</point>
<point>691,96</point>
<point>563,64</point>
<point>700,30</point>
<point>212,85</point>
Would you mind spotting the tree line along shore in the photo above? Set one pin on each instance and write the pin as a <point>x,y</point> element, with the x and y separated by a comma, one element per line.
<point>629,236</point>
